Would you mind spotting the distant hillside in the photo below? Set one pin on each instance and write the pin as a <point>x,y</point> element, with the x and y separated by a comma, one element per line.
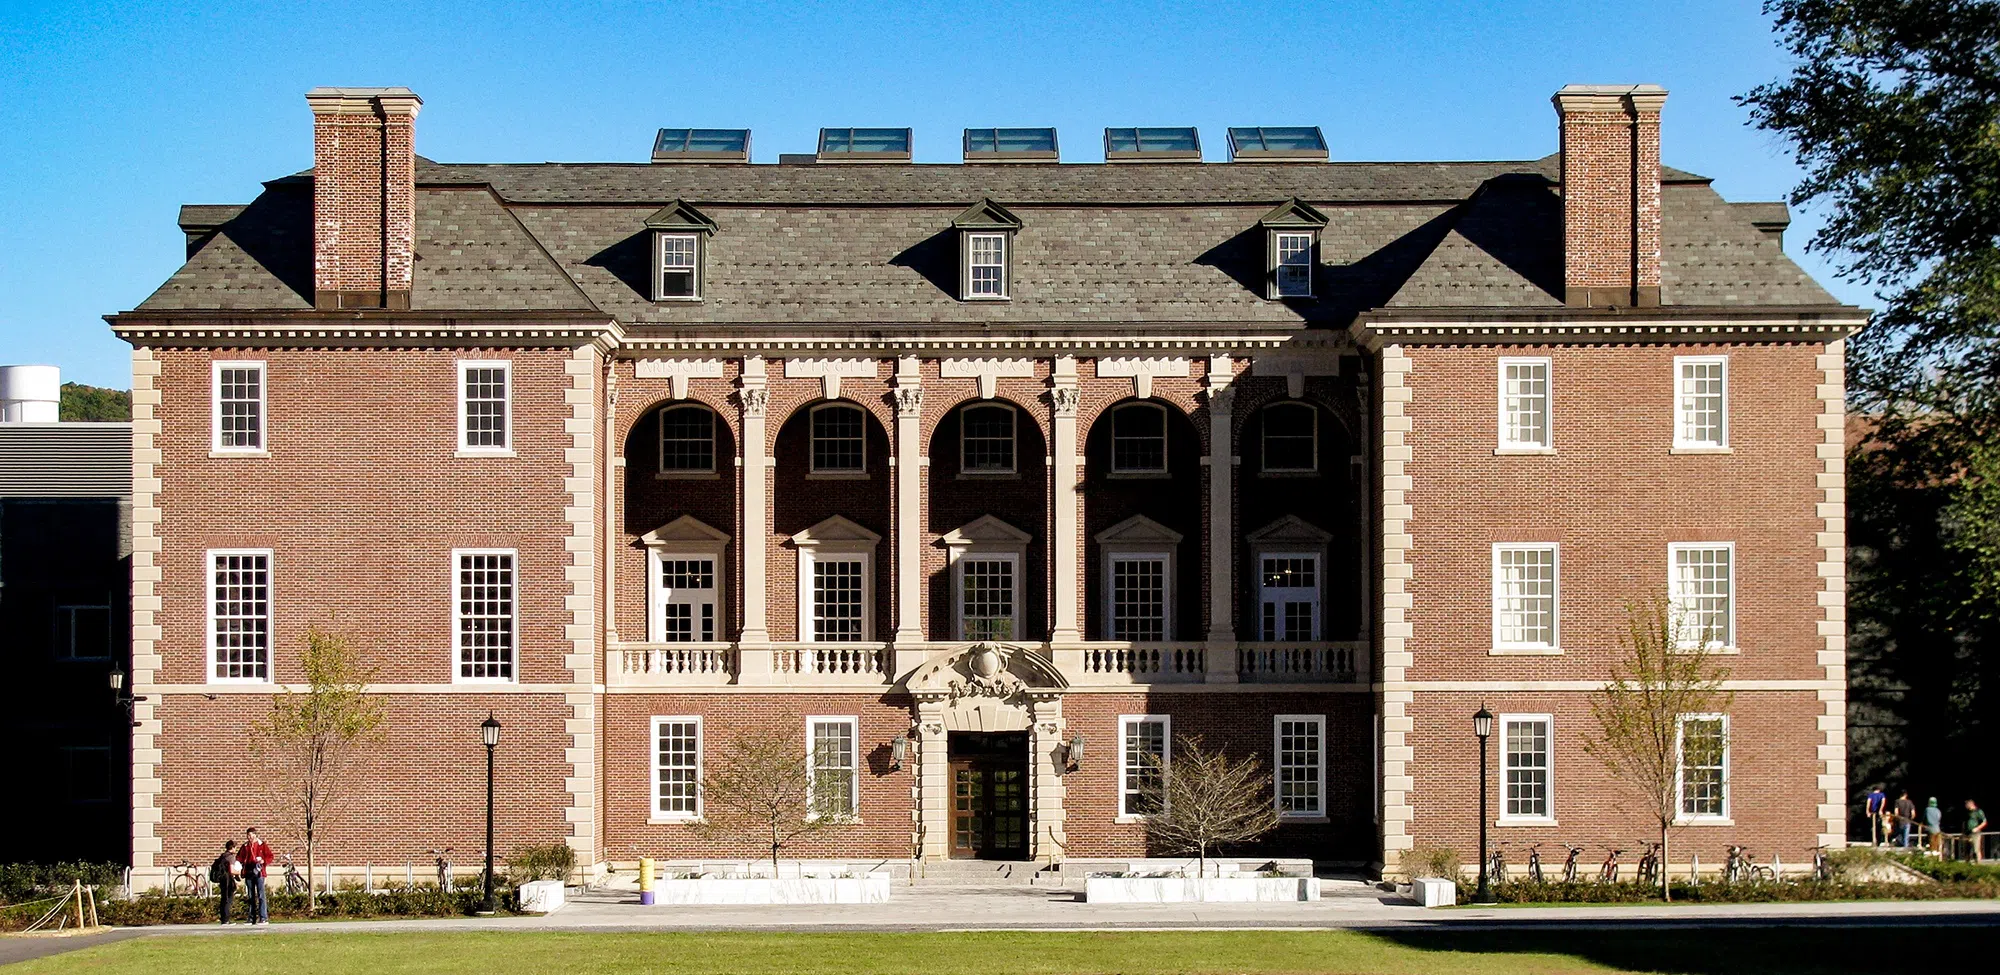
<point>95,403</point>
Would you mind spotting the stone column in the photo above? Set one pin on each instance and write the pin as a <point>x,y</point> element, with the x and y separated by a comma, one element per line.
<point>909,461</point>
<point>933,813</point>
<point>1046,788</point>
<point>754,650</point>
<point>1063,398</point>
<point>1221,522</point>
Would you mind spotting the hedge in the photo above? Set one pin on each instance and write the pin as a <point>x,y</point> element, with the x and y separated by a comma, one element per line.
<point>1717,892</point>
<point>152,908</point>
<point>33,881</point>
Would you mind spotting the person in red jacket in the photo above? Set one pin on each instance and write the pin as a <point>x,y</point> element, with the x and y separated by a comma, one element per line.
<point>256,859</point>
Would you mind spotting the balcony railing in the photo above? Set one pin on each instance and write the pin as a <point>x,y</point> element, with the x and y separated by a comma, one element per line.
<point>1095,663</point>
<point>1314,663</point>
<point>673,663</point>
<point>1142,663</point>
<point>860,663</point>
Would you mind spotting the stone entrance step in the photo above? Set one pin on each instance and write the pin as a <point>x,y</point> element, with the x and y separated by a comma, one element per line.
<point>964,873</point>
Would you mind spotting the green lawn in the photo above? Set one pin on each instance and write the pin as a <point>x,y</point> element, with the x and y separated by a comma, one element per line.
<point>1419,952</point>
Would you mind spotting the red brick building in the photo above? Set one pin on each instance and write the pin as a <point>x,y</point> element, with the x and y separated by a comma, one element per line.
<point>986,482</point>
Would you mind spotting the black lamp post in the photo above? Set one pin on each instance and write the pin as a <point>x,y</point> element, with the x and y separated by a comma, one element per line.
<point>489,732</point>
<point>1482,726</point>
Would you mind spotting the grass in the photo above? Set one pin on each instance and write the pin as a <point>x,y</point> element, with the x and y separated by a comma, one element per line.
<point>1823,951</point>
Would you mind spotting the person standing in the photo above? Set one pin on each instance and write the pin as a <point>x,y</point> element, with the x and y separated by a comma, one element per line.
<point>1906,815</point>
<point>255,857</point>
<point>1934,821</point>
<point>1878,807</point>
<point>1975,828</point>
<point>222,873</point>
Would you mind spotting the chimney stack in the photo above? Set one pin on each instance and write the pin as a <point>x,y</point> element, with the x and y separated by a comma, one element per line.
<point>1611,194</point>
<point>364,196</point>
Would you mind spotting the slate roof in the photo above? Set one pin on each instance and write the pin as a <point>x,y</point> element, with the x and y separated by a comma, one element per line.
<point>868,245</point>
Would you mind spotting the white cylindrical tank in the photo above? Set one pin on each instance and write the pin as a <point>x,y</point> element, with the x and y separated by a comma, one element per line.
<point>30,394</point>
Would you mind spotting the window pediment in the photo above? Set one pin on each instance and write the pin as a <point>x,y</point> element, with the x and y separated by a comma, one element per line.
<point>1138,530</point>
<point>835,531</point>
<point>680,215</point>
<point>685,532</point>
<point>986,531</point>
<point>1289,530</point>
<point>1294,214</point>
<point>986,215</point>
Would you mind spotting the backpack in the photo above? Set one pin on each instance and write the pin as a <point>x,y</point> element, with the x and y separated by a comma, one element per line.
<point>218,872</point>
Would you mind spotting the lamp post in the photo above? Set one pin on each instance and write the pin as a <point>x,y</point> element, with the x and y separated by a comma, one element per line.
<point>124,698</point>
<point>1482,726</point>
<point>489,733</point>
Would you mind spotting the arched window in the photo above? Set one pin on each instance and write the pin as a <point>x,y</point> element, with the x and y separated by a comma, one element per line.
<point>1139,439</point>
<point>1291,438</point>
<point>839,439</point>
<point>687,439</point>
<point>986,439</point>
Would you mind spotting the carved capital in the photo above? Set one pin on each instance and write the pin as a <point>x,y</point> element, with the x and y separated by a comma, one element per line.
<point>1221,398</point>
<point>909,400</point>
<point>755,399</point>
<point>1064,399</point>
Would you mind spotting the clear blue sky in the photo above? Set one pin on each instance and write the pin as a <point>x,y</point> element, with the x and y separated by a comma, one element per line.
<point>115,114</point>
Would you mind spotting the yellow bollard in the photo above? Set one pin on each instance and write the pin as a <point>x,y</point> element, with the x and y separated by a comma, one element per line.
<point>645,880</point>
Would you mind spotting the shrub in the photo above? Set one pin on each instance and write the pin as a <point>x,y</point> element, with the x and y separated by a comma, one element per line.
<point>1948,871</point>
<point>554,861</point>
<point>155,909</point>
<point>1717,892</point>
<point>1432,861</point>
<point>31,881</point>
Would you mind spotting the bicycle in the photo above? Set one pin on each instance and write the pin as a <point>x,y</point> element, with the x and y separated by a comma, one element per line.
<point>1607,872</point>
<point>1649,866</point>
<point>1535,863</point>
<point>1569,863</point>
<point>1496,868</point>
<point>186,881</point>
<point>444,871</point>
<point>1822,869</point>
<point>1742,866</point>
<point>295,883</point>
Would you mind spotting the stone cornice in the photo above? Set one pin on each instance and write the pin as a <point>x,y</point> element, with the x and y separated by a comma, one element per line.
<point>1628,326</point>
<point>315,329</point>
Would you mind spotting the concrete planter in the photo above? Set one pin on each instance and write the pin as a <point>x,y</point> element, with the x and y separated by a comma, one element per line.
<point>871,889</point>
<point>542,896</point>
<point>1434,892</point>
<point>1174,890</point>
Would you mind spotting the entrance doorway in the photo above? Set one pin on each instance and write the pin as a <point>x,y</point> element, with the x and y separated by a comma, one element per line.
<point>989,795</point>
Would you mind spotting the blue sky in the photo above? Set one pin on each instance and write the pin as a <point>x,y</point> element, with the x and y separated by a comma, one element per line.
<point>114,114</point>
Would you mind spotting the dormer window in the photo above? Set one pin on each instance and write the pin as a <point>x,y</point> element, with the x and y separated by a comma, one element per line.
<point>1291,239</point>
<point>1294,267</point>
<point>989,266</point>
<point>680,244</point>
<point>678,267</point>
<point>986,252</point>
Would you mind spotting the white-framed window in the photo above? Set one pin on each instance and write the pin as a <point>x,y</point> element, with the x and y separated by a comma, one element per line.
<point>1290,438</point>
<point>1145,759</point>
<point>686,597</point>
<point>839,439</point>
<point>989,590</point>
<point>839,597</point>
<point>1526,786</point>
<point>986,439</point>
<point>239,615</point>
<point>1288,595</point>
<point>1139,585</point>
<point>1299,756</point>
<point>677,768</point>
<point>678,272</point>
<point>484,614</point>
<point>986,265</point>
<point>687,439</point>
<point>1293,265</point>
<point>485,413</point>
<point>1524,404</point>
<point>1702,593</point>
<point>1701,401</point>
<point>83,633</point>
<point>1703,780</point>
<point>833,767</point>
<point>1525,596</point>
<point>1139,438</point>
<point>238,407</point>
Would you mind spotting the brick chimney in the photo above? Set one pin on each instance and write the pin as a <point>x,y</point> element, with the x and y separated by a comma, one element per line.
<point>364,196</point>
<point>1611,193</point>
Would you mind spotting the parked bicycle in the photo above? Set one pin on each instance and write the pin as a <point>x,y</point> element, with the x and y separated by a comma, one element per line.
<point>1822,870</point>
<point>1535,862</point>
<point>1649,866</point>
<point>187,881</point>
<point>1607,872</point>
<point>1742,867</point>
<point>295,882</point>
<point>1496,867</point>
<point>1569,863</point>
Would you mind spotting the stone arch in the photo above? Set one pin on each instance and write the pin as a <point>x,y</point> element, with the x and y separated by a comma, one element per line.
<point>1172,498</point>
<point>956,498</point>
<point>654,497</point>
<point>802,498</point>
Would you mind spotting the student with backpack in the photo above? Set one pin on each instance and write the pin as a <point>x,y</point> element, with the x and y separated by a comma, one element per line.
<point>222,873</point>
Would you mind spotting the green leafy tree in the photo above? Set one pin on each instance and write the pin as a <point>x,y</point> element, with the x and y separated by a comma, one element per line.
<point>1206,800</point>
<point>1659,679</point>
<point>318,736</point>
<point>760,792</point>
<point>94,404</point>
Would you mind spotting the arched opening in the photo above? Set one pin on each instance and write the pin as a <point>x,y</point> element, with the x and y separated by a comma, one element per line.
<point>830,519</point>
<point>679,465</point>
<point>987,569</point>
<point>1142,525</point>
<point>1301,573</point>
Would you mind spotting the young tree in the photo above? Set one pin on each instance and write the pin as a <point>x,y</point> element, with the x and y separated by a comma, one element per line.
<point>1661,679</point>
<point>318,736</point>
<point>1204,800</point>
<point>761,792</point>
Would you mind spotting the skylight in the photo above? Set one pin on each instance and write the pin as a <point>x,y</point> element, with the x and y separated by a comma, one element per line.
<point>1010,145</point>
<point>856,145</point>
<point>702,145</point>
<point>1277,142</point>
<point>1159,144</point>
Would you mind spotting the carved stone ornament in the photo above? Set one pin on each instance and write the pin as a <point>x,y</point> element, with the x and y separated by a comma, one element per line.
<point>985,675</point>
<point>1064,399</point>
<point>755,399</point>
<point>909,400</point>
<point>1221,398</point>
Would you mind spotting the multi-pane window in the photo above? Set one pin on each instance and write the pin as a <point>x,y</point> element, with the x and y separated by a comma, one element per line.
<point>986,598</point>
<point>484,610</point>
<point>678,277</point>
<point>838,591</point>
<point>1524,766</point>
<point>239,406</point>
<point>1301,765</point>
<point>987,266</point>
<point>1294,264</point>
<point>677,768</point>
<point>1701,401</point>
<point>839,435</point>
<point>684,598</point>
<point>1288,596</point>
<point>1139,597</point>
<point>1291,438</point>
<point>1702,594</point>
<point>1143,763</point>
<point>687,439</point>
<point>831,766</point>
<point>1704,766</point>
<point>1524,597</point>
<point>987,440</point>
<point>1139,439</point>
<point>239,599</point>
<point>1524,403</point>
<point>83,632</point>
<point>482,405</point>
